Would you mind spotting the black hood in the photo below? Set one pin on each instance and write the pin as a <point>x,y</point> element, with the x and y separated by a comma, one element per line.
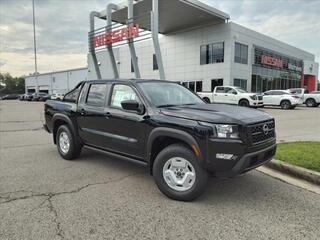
<point>217,113</point>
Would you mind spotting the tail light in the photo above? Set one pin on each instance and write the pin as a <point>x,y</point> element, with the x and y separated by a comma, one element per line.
<point>294,96</point>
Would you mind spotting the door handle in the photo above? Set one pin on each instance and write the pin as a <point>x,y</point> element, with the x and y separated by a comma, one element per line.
<point>82,112</point>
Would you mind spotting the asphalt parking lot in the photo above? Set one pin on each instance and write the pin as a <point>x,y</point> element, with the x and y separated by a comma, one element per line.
<point>43,196</point>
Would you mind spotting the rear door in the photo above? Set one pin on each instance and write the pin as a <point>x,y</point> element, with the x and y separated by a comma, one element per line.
<point>91,113</point>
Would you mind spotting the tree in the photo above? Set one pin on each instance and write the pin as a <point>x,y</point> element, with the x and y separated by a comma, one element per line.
<point>9,84</point>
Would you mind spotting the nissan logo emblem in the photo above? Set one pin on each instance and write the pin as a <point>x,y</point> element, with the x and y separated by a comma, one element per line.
<point>265,129</point>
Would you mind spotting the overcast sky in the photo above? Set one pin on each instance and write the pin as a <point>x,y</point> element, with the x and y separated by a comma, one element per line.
<point>62,27</point>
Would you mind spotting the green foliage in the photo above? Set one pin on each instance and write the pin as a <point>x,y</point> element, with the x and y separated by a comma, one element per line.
<point>302,154</point>
<point>9,84</point>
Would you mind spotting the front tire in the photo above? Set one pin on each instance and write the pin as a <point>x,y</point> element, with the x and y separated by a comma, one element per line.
<point>311,102</point>
<point>207,100</point>
<point>178,174</point>
<point>68,147</point>
<point>244,103</point>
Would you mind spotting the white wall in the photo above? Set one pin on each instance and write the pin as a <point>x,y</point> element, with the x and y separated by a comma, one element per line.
<point>181,55</point>
<point>61,81</point>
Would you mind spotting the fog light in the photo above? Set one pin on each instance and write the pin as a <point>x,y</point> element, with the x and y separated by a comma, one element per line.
<point>225,156</point>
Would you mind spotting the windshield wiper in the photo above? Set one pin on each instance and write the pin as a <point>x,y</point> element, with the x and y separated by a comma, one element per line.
<point>166,105</point>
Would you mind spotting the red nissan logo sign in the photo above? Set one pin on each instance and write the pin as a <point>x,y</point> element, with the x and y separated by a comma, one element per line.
<point>118,35</point>
<point>271,61</point>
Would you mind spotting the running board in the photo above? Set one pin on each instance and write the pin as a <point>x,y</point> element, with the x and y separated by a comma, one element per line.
<point>128,159</point>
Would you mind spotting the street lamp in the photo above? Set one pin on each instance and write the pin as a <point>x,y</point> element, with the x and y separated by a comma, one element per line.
<point>35,48</point>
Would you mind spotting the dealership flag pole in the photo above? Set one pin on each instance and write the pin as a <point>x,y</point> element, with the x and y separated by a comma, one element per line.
<point>35,48</point>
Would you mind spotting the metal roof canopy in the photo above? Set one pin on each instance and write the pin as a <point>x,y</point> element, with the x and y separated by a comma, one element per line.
<point>174,15</point>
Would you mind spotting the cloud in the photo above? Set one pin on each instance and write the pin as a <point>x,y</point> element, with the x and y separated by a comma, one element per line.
<point>62,28</point>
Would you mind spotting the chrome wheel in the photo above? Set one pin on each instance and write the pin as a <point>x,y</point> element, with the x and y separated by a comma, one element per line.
<point>64,142</point>
<point>179,174</point>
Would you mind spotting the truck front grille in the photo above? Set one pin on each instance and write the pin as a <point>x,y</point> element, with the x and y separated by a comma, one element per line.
<point>261,132</point>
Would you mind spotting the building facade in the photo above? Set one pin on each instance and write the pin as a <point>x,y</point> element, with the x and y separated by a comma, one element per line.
<point>202,58</point>
<point>223,54</point>
<point>56,82</point>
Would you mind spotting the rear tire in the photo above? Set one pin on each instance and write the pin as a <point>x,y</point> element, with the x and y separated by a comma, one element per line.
<point>311,102</point>
<point>68,146</point>
<point>244,103</point>
<point>285,104</point>
<point>178,174</point>
<point>207,100</point>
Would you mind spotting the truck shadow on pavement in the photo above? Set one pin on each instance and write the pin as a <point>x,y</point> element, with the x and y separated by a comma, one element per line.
<point>240,189</point>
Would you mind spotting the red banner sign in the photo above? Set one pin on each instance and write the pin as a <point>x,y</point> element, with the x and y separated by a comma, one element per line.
<point>271,61</point>
<point>119,35</point>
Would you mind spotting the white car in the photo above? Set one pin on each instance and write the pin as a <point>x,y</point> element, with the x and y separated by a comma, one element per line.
<point>232,95</point>
<point>57,96</point>
<point>281,98</point>
<point>312,99</point>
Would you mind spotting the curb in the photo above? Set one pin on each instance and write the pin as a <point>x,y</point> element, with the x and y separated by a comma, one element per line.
<point>305,174</point>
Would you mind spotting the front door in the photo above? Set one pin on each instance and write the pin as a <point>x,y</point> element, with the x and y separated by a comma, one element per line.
<point>125,130</point>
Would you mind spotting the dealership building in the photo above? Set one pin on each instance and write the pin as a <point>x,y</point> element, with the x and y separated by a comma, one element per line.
<point>199,47</point>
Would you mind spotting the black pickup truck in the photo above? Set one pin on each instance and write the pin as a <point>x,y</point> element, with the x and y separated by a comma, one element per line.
<point>165,126</point>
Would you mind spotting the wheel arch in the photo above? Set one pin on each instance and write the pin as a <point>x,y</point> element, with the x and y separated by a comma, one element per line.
<point>162,137</point>
<point>60,119</point>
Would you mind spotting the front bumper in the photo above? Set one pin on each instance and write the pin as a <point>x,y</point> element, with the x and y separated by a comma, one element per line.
<point>245,158</point>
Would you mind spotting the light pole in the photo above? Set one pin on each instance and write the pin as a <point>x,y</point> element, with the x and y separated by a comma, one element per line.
<point>35,48</point>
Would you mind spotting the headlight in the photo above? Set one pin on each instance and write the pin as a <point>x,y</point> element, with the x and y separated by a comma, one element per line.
<point>222,130</point>
<point>254,97</point>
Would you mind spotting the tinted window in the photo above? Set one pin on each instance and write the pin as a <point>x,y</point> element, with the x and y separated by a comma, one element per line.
<point>242,83</point>
<point>73,95</point>
<point>96,95</point>
<point>121,93</point>
<point>212,53</point>
<point>241,53</point>
<point>155,63</point>
<point>165,93</point>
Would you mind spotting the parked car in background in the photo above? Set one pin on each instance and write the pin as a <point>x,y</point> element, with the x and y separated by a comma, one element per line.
<point>57,96</point>
<point>10,97</point>
<point>28,97</point>
<point>21,97</point>
<point>232,95</point>
<point>281,98</point>
<point>312,99</point>
<point>40,96</point>
<point>298,92</point>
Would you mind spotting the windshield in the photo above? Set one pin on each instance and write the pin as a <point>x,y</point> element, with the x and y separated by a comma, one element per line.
<point>241,90</point>
<point>162,94</point>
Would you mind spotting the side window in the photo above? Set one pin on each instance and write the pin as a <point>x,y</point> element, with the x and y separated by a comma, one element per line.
<point>73,95</point>
<point>220,90</point>
<point>96,95</point>
<point>121,93</point>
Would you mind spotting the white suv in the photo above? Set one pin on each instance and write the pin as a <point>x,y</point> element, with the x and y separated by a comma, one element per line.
<point>281,98</point>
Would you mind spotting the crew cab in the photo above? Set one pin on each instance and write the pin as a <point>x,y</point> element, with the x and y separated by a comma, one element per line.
<point>164,126</point>
<point>232,95</point>
<point>281,98</point>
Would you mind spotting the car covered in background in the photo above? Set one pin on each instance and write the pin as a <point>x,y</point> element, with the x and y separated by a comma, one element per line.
<point>282,98</point>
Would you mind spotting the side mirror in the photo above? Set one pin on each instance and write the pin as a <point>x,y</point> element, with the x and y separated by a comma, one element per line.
<point>132,105</point>
<point>234,93</point>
